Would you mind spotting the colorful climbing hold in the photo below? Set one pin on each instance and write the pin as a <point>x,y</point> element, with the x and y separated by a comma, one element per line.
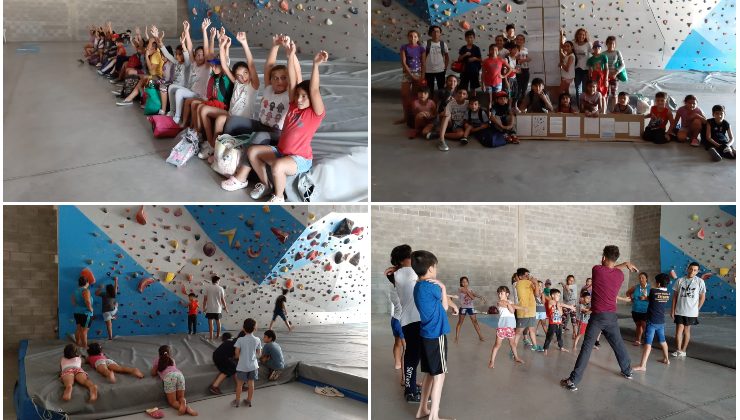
<point>700,234</point>
<point>728,247</point>
<point>254,253</point>
<point>289,283</point>
<point>195,261</point>
<point>169,277</point>
<point>174,244</point>
<point>723,271</point>
<point>209,249</point>
<point>141,216</point>
<point>266,209</point>
<point>88,275</point>
<point>695,217</point>
<point>143,284</point>
<point>229,234</point>
<point>335,298</point>
<point>281,235</point>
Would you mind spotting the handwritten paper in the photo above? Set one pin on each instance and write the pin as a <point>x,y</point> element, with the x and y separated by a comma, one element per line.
<point>621,127</point>
<point>524,125</point>
<point>634,129</point>
<point>573,126</point>
<point>556,125</point>
<point>606,128</point>
<point>539,125</point>
<point>590,125</point>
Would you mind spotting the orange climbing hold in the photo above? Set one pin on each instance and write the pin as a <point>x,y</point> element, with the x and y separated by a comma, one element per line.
<point>335,298</point>
<point>145,283</point>
<point>465,25</point>
<point>88,275</point>
<point>284,6</point>
<point>289,284</point>
<point>254,253</point>
<point>141,216</point>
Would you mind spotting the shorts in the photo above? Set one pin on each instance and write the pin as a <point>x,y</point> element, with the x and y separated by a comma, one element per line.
<point>582,328</point>
<point>107,316</point>
<point>526,322</point>
<point>173,381</point>
<point>303,164</point>
<point>396,328</point>
<point>83,320</point>
<point>454,126</point>
<point>227,367</point>
<point>246,376</point>
<point>236,125</point>
<point>686,320</point>
<point>651,330</point>
<point>639,316</point>
<point>105,362</point>
<point>407,79</point>
<point>467,311</point>
<point>540,315</point>
<point>213,315</point>
<point>72,371</point>
<point>506,332</point>
<point>215,103</point>
<point>434,355</point>
<point>493,89</point>
<point>163,85</point>
<point>280,314</point>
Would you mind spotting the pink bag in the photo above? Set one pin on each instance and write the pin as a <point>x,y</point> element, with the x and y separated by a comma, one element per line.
<point>164,126</point>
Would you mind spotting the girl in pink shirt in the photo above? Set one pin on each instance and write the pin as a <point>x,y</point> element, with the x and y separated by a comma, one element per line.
<point>173,381</point>
<point>107,367</point>
<point>691,119</point>
<point>71,365</point>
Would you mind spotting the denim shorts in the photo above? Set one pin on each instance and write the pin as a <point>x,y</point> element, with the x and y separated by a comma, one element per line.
<point>467,311</point>
<point>303,164</point>
<point>493,89</point>
<point>651,330</point>
<point>245,376</point>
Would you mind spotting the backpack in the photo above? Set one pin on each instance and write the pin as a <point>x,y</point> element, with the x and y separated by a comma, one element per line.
<point>480,115</point>
<point>186,147</point>
<point>227,153</point>
<point>441,46</point>
<point>129,83</point>
<point>491,138</point>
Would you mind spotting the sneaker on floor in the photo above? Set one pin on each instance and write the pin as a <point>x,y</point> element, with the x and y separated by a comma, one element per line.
<point>115,82</point>
<point>124,103</point>
<point>176,120</point>
<point>627,375</point>
<point>464,141</point>
<point>276,199</point>
<point>729,151</point>
<point>597,344</point>
<point>81,61</point>
<point>206,150</point>
<point>428,135</point>
<point>538,349</point>
<point>442,146</point>
<point>160,112</point>
<point>233,184</point>
<point>116,92</point>
<point>100,72</point>
<point>235,403</point>
<point>714,154</point>
<point>260,190</point>
<point>567,384</point>
<point>413,398</point>
<point>695,142</point>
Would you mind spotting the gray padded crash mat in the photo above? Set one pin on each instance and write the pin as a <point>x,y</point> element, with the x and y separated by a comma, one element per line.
<point>334,348</point>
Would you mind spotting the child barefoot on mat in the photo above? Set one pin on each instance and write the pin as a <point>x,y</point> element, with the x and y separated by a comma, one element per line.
<point>107,367</point>
<point>247,349</point>
<point>506,329</point>
<point>173,381</point>
<point>655,321</point>
<point>71,364</point>
<point>467,297</point>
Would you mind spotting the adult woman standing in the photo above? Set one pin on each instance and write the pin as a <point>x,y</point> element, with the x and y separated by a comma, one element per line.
<point>581,49</point>
<point>82,302</point>
<point>639,296</point>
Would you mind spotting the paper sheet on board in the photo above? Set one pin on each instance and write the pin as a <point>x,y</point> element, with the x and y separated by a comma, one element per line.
<point>556,125</point>
<point>524,125</point>
<point>634,129</point>
<point>590,126</point>
<point>573,126</point>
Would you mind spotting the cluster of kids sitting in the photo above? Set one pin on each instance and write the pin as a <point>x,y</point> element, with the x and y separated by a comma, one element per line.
<point>238,358</point>
<point>208,98</point>
<point>453,111</point>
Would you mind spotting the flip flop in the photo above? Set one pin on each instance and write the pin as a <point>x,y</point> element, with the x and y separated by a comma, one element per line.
<point>328,391</point>
<point>155,413</point>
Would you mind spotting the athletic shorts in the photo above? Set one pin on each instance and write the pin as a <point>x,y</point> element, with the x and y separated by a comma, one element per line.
<point>173,381</point>
<point>396,328</point>
<point>526,322</point>
<point>506,332</point>
<point>434,355</point>
<point>303,164</point>
<point>227,367</point>
<point>686,320</point>
<point>245,376</point>
<point>108,316</point>
<point>72,371</point>
<point>105,362</point>
<point>639,316</point>
<point>280,314</point>
<point>83,320</point>
<point>467,311</point>
<point>582,328</point>
<point>213,315</point>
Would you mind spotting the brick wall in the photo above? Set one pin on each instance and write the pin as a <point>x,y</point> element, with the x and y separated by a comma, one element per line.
<point>29,273</point>
<point>646,241</point>
<point>488,243</point>
<point>68,20</point>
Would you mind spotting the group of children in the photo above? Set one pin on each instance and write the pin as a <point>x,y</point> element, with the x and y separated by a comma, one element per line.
<point>208,98</point>
<point>453,111</point>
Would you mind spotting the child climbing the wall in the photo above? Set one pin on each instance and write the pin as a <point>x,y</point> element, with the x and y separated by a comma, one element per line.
<point>272,355</point>
<point>245,83</point>
<point>598,71</point>
<point>689,121</point>
<point>470,55</point>
<point>661,121</point>
<point>71,366</point>
<point>503,119</point>
<point>412,65</point>
<point>223,358</point>
<point>591,100</point>
<point>718,139</point>
<point>214,302</point>
<point>584,313</point>
<point>565,104</point>
<point>425,112</point>
<point>622,106</point>
<point>106,366</point>
<point>110,305</point>
<point>247,349</point>
<point>173,381</point>
<point>466,297</point>
<point>567,66</point>
<point>281,310</point>
<point>293,154</point>
<point>655,321</point>
<point>436,59</point>
<point>192,313</point>
<point>616,66</point>
<point>555,319</point>
<point>493,69</point>
<point>506,329</point>
<point>536,100</point>
<point>476,121</point>
<point>452,125</point>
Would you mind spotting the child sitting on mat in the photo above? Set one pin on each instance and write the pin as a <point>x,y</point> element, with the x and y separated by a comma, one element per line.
<point>661,121</point>
<point>173,381</point>
<point>272,355</point>
<point>108,367</point>
<point>247,349</point>
<point>71,364</point>
<point>223,358</point>
<point>689,121</point>
<point>591,101</point>
<point>502,117</point>
<point>564,104</point>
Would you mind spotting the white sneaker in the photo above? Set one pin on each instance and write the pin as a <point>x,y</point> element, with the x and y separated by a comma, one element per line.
<point>205,151</point>
<point>160,112</point>
<point>176,119</point>
<point>116,92</point>
<point>233,184</point>
<point>276,199</point>
<point>124,103</point>
<point>259,191</point>
<point>678,354</point>
<point>442,146</point>
<point>171,114</point>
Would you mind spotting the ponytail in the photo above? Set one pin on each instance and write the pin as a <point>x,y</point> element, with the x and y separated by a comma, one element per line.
<point>164,358</point>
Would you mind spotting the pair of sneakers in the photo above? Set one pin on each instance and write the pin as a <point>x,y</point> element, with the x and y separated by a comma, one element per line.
<point>260,190</point>
<point>678,353</point>
<point>235,403</point>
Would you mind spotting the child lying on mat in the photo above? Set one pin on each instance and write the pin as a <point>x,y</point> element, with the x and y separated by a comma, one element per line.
<point>108,367</point>
<point>71,364</point>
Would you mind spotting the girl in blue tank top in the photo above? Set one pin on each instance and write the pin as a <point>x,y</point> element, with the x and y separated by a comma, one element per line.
<point>639,295</point>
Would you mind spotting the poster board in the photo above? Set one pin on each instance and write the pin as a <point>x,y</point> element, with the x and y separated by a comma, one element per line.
<point>555,126</point>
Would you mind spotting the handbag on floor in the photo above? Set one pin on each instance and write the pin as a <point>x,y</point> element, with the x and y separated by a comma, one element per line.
<point>186,148</point>
<point>129,83</point>
<point>153,102</point>
<point>227,152</point>
<point>163,126</point>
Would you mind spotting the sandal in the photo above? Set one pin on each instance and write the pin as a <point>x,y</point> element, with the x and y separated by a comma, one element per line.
<point>215,390</point>
<point>155,413</point>
<point>233,184</point>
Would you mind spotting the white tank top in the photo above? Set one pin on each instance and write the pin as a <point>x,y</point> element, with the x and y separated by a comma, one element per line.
<point>506,318</point>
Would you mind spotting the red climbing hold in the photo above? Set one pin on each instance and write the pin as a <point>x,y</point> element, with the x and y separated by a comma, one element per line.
<point>289,284</point>
<point>700,234</point>
<point>141,216</point>
<point>335,298</point>
<point>281,235</point>
<point>312,255</point>
<point>144,283</point>
<point>252,253</point>
<point>327,267</point>
<point>357,230</point>
<point>88,275</point>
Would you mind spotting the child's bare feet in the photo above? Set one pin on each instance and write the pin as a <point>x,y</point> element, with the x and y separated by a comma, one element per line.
<point>111,377</point>
<point>191,411</point>
<point>67,395</point>
<point>545,352</point>
<point>518,360</point>
<point>138,373</point>
<point>480,337</point>
<point>665,361</point>
<point>564,349</point>
<point>93,393</point>
<point>423,410</point>
<point>490,364</point>
<point>183,407</point>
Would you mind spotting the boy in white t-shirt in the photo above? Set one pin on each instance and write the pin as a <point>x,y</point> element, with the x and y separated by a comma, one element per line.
<point>452,126</point>
<point>436,58</point>
<point>247,349</point>
<point>689,294</point>
<point>213,303</point>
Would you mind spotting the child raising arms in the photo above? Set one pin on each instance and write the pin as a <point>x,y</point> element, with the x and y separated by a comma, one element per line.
<point>467,297</point>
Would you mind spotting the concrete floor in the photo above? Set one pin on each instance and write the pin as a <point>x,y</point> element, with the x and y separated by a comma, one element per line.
<point>536,170</point>
<point>687,389</point>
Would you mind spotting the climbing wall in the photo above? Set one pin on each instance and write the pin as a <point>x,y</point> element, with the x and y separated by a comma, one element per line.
<point>336,26</point>
<point>657,34</point>
<point>705,234</point>
<point>391,21</point>
<point>163,253</point>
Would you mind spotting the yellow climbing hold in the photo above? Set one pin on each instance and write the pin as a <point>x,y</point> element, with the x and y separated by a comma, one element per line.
<point>728,247</point>
<point>195,261</point>
<point>229,234</point>
<point>217,9</point>
<point>299,6</point>
<point>724,271</point>
<point>266,209</point>
<point>311,217</point>
<point>284,269</point>
<point>482,27</point>
<point>581,6</point>
<point>169,277</point>
<point>174,244</point>
<point>448,12</point>
<point>695,217</point>
<point>301,286</point>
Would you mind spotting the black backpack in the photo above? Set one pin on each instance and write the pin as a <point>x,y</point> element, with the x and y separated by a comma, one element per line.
<point>480,115</point>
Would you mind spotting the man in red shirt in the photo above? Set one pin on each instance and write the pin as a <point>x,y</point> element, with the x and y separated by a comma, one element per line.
<point>607,280</point>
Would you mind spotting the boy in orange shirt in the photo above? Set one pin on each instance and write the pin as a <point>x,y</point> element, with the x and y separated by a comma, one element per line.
<point>192,313</point>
